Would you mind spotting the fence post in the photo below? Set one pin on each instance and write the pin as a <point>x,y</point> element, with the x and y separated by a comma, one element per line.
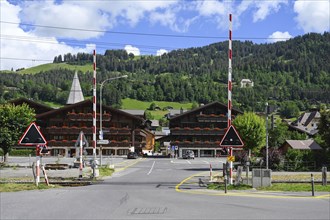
<point>312,180</point>
<point>324,176</point>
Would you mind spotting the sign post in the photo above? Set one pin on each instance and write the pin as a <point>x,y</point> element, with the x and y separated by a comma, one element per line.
<point>231,139</point>
<point>81,141</point>
<point>33,137</point>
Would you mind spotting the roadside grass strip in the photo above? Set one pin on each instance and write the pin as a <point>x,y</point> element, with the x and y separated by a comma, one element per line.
<point>189,184</point>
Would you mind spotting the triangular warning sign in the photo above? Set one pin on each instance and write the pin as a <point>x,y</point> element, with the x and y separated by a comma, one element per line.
<point>231,138</point>
<point>83,138</point>
<point>32,136</point>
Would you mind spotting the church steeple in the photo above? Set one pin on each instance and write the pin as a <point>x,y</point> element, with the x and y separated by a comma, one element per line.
<point>76,94</point>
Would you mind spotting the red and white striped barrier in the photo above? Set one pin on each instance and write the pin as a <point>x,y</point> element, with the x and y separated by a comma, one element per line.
<point>210,172</point>
<point>80,157</point>
<point>94,104</point>
<point>230,87</point>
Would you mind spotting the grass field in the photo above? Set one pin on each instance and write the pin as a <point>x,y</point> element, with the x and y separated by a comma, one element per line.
<point>287,187</point>
<point>52,66</point>
<point>140,105</point>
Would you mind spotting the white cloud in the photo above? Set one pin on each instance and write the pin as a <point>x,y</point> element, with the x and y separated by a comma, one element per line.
<point>134,50</point>
<point>279,36</point>
<point>265,8</point>
<point>161,52</point>
<point>210,8</point>
<point>169,18</point>
<point>66,15</point>
<point>313,16</point>
<point>88,15</point>
<point>21,49</point>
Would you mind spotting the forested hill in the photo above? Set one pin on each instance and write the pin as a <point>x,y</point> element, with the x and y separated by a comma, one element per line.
<point>297,70</point>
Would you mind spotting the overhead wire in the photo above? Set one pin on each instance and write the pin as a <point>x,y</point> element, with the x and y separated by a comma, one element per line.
<point>107,45</point>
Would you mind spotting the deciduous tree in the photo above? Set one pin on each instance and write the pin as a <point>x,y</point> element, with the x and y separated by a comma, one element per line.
<point>252,130</point>
<point>13,122</point>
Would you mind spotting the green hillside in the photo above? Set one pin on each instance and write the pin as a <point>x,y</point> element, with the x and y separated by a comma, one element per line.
<point>140,105</point>
<point>56,66</point>
<point>296,70</point>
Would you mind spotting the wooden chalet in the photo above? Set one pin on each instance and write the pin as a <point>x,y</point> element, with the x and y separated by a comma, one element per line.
<point>200,130</point>
<point>61,128</point>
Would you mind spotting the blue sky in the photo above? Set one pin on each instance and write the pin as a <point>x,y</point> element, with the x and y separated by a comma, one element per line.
<point>33,32</point>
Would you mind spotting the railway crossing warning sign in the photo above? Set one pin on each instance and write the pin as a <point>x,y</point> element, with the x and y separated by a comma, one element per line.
<point>231,138</point>
<point>32,136</point>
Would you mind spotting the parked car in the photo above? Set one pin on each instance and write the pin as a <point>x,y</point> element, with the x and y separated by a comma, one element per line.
<point>189,154</point>
<point>132,155</point>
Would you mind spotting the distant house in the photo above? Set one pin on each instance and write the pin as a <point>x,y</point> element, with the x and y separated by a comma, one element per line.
<point>307,123</point>
<point>174,112</point>
<point>300,145</point>
<point>137,113</point>
<point>152,124</point>
<point>246,83</point>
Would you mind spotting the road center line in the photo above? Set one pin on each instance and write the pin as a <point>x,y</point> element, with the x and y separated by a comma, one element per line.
<point>151,168</point>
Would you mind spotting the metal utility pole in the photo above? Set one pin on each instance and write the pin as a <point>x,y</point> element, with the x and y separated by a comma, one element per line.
<point>101,112</point>
<point>267,135</point>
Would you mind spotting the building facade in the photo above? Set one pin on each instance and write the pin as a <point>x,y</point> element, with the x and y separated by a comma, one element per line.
<point>200,130</point>
<point>61,128</point>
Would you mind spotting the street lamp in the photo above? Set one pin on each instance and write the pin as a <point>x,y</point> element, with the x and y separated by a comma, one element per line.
<point>267,111</point>
<point>101,113</point>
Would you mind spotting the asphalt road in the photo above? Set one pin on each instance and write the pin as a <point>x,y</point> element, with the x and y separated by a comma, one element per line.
<point>161,189</point>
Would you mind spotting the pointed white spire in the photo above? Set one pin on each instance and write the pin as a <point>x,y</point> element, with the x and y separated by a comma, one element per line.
<point>76,94</point>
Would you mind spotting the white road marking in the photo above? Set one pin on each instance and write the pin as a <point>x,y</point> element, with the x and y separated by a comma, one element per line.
<point>188,162</point>
<point>151,168</point>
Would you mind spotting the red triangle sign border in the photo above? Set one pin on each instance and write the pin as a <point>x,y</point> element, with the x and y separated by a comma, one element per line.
<point>25,133</point>
<point>225,135</point>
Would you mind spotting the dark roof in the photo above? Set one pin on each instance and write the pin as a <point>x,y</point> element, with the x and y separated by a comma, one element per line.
<point>39,108</point>
<point>301,124</point>
<point>206,106</point>
<point>88,101</point>
<point>303,144</point>
<point>134,112</point>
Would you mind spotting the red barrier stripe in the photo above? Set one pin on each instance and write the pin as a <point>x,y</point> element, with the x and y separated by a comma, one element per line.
<point>230,85</point>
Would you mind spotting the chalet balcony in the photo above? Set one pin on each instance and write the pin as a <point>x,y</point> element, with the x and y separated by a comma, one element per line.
<point>68,130</point>
<point>117,131</point>
<point>197,131</point>
<point>212,118</point>
<point>64,143</point>
<point>196,144</point>
<point>87,116</point>
<point>113,143</point>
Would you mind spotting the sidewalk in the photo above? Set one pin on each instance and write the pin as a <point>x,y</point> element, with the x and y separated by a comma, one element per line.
<point>197,184</point>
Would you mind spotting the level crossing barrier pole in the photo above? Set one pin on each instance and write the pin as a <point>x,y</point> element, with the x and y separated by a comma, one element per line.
<point>37,165</point>
<point>210,172</point>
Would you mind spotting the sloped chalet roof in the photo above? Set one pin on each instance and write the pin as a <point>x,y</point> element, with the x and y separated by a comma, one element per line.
<point>68,108</point>
<point>302,123</point>
<point>303,144</point>
<point>39,108</point>
<point>135,112</point>
<point>220,105</point>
